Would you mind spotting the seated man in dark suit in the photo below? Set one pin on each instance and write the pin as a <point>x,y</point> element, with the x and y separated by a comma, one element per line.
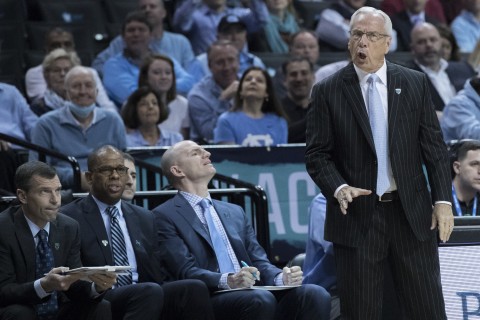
<point>36,244</point>
<point>115,232</point>
<point>445,78</point>
<point>404,21</point>
<point>190,251</point>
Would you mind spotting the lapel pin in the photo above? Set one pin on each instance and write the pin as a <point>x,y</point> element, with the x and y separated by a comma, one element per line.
<point>57,245</point>
<point>398,90</point>
<point>105,243</point>
<point>138,243</point>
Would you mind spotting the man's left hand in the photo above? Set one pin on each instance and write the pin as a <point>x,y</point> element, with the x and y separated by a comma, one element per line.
<point>442,217</point>
<point>292,276</point>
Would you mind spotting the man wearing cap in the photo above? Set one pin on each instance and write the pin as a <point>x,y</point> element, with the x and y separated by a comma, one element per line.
<point>198,19</point>
<point>233,29</point>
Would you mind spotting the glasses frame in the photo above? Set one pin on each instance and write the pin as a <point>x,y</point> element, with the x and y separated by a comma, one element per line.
<point>107,171</point>
<point>369,34</point>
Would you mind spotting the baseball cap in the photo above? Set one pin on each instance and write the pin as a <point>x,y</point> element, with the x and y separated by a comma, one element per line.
<point>230,23</point>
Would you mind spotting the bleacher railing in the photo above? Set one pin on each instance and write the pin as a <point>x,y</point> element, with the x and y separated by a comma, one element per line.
<point>43,153</point>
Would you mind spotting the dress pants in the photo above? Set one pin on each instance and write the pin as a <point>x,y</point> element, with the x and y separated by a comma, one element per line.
<point>414,265</point>
<point>303,303</point>
<point>87,310</point>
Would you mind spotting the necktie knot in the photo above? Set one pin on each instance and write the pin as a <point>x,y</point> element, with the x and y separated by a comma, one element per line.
<point>205,203</point>
<point>372,79</point>
<point>42,235</point>
<point>112,211</point>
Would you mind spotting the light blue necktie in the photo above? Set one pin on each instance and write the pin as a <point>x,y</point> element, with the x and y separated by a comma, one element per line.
<point>378,123</point>
<point>119,248</point>
<point>220,247</point>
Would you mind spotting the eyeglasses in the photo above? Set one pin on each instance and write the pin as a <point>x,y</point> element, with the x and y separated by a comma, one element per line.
<point>371,36</point>
<point>108,171</point>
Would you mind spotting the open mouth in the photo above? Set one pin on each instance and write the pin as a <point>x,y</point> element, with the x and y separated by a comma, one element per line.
<point>362,55</point>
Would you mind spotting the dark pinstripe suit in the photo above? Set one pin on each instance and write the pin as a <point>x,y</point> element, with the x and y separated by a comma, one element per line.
<point>340,150</point>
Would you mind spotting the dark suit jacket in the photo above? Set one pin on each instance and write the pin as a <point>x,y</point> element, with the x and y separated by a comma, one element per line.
<point>340,150</point>
<point>186,248</point>
<point>95,248</point>
<point>17,258</point>
<point>401,23</point>
<point>458,73</point>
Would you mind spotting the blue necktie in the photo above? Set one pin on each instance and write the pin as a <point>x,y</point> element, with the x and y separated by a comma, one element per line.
<point>44,264</point>
<point>378,123</point>
<point>119,248</point>
<point>220,247</point>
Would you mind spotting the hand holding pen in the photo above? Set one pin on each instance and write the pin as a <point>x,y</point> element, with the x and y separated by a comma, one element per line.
<point>245,278</point>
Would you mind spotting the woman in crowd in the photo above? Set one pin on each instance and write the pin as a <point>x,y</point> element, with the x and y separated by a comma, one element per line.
<point>281,25</point>
<point>450,50</point>
<point>257,118</point>
<point>55,66</point>
<point>157,72</point>
<point>142,114</point>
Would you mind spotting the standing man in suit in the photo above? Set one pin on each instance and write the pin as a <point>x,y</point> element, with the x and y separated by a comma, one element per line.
<point>36,244</point>
<point>208,239</point>
<point>370,128</point>
<point>142,293</point>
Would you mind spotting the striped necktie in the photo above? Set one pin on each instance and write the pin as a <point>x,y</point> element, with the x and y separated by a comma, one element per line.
<point>45,263</point>
<point>119,248</point>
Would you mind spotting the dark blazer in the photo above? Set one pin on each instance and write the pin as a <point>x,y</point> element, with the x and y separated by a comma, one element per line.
<point>340,150</point>
<point>458,72</point>
<point>186,248</point>
<point>17,258</point>
<point>402,24</point>
<point>95,247</point>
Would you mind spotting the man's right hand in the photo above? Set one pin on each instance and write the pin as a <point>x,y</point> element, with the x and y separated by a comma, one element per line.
<point>347,194</point>
<point>243,279</point>
<point>229,91</point>
<point>55,281</point>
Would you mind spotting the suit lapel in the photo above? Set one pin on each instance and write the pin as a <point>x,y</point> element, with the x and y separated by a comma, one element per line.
<point>225,216</point>
<point>133,227</point>
<point>353,93</point>
<point>186,211</point>
<point>25,242</point>
<point>394,88</point>
<point>54,241</point>
<point>94,219</point>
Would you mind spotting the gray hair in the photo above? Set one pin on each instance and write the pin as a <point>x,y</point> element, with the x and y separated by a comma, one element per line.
<point>59,53</point>
<point>373,11</point>
<point>77,70</point>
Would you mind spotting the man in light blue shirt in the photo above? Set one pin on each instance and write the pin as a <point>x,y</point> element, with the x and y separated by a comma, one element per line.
<point>198,20</point>
<point>466,26</point>
<point>120,73</point>
<point>230,28</point>
<point>174,45</point>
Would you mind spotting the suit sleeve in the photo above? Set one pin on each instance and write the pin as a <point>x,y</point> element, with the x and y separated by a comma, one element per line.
<point>320,144</point>
<point>434,151</point>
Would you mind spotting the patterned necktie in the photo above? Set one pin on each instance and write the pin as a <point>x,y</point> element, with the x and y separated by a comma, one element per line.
<point>119,248</point>
<point>378,123</point>
<point>45,263</point>
<point>221,251</point>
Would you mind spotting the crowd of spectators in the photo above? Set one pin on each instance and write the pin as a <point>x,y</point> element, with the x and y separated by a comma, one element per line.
<point>192,55</point>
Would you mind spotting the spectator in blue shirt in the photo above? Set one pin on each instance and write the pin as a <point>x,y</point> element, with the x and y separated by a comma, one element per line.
<point>233,29</point>
<point>174,45</point>
<point>198,20</point>
<point>120,72</point>
<point>142,114</point>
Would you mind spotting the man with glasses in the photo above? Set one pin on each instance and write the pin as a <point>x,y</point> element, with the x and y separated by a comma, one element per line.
<point>115,232</point>
<point>370,129</point>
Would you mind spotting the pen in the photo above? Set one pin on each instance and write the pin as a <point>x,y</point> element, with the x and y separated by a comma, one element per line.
<point>244,264</point>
